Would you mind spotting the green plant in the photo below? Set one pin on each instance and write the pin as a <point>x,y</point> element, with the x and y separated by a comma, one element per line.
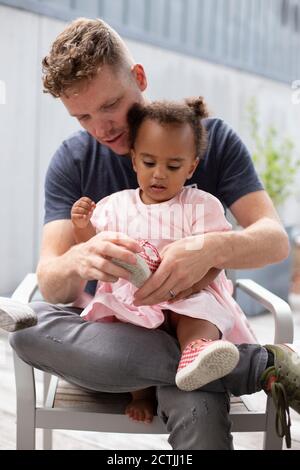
<point>273,157</point>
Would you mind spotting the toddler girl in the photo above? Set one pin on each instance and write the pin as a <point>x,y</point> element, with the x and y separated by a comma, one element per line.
<point>168,141</point>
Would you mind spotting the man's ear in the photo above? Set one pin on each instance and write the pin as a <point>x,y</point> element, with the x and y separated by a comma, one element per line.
<point>139,76</point>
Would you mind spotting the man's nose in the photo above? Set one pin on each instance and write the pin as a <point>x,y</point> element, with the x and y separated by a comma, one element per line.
<point>102,129</point>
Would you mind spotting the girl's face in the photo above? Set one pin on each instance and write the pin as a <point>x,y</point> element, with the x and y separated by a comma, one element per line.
<point>163,158</point>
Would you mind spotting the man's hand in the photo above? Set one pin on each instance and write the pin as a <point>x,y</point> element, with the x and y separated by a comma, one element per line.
<point>182,270</point>
<point>93,258</point>
<point>209,277</point>
<point>64,266</point>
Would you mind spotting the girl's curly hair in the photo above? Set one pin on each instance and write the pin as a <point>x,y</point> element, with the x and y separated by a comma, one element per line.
<point>79,51</point>
<point>191,112</point>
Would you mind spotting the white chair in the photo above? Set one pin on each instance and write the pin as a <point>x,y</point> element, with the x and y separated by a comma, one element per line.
<point>68,407</point>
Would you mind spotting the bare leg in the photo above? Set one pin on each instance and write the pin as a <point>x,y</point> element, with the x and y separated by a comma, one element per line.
<point>142,406</point>
<point>205,357</point>
<point>189,329</point>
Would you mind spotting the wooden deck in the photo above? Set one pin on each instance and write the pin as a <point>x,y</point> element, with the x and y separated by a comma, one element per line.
<point>113,441</point>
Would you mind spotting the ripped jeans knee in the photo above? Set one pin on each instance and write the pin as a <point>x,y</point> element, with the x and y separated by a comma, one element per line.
<point>195,420</point>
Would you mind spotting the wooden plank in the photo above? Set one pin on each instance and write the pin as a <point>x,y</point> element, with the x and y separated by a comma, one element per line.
<point>75,398</point>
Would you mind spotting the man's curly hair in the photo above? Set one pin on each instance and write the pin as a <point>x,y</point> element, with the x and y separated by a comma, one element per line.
<point>79,51</point>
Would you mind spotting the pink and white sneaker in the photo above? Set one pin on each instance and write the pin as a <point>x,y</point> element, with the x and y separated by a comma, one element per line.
<point>150,255</point>
<point>204,361</point>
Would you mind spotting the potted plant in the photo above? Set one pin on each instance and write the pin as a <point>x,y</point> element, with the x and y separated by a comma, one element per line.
<point>273,158</point>
<point>276,163</point>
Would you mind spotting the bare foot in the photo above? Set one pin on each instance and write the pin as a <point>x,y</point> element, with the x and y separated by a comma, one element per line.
<point>142,406</point>
<point>140,410</point>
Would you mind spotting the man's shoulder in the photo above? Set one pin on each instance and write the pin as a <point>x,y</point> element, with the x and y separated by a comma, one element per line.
<point>213,122</point>
<point>223,142</point>
<point>217,129</point>
<point>79,149</point>
<point>81,136</point>
<point>80,143</point>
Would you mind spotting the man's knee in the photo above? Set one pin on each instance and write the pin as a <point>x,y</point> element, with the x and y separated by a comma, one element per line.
<point>28,343</point>
<point>22,342</point>
<point>195,420</point>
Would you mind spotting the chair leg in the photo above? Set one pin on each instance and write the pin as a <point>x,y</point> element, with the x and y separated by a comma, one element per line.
<point>47,433</point>
<point>47,439</point>
<point>26,399</point>
<point>271,439</point>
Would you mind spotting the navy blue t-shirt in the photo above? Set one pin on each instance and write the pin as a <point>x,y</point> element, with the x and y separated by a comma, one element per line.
<point>83,167</point>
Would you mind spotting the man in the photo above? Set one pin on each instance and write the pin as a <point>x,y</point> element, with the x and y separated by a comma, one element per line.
<point>92,72</point>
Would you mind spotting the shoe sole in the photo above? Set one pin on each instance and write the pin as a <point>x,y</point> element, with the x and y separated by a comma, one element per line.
<point>214,362</point>
<point>140,271</point>
<point>15,315</point>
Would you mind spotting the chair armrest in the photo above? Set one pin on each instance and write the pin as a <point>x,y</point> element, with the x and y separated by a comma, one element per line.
<point>284,327</point>
<point>26,289</point>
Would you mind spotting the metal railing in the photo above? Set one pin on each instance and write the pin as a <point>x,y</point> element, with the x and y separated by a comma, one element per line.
<point>257,36</point>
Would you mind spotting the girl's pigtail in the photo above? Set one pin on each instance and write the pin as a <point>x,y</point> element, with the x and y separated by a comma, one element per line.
<point>199,107</point>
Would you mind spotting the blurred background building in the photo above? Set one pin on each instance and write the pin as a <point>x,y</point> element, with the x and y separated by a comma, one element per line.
<point>226,50</point>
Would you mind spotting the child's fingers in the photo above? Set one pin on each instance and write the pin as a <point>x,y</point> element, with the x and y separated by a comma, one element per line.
<point>79,216</point>
<point>80,211</point>
<point>86,199</point>
<point>85,205</point>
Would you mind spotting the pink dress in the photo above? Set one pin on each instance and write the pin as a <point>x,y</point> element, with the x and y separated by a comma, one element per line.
<point>191,212</point>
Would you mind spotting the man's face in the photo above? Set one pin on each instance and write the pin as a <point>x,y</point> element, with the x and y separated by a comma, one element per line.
<point>101,105</point>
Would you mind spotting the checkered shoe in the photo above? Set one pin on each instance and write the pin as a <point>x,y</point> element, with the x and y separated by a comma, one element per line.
<point>147,263</point>
<point>204,361</point>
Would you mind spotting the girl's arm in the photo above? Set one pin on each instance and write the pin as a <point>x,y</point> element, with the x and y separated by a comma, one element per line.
<point>84,234</point>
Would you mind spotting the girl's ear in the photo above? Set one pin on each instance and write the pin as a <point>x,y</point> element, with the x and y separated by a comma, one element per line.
<point>133,159</point>
<point>193,167</point>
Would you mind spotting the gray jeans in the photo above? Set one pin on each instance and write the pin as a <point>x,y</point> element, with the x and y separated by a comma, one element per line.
<point>120,357</point>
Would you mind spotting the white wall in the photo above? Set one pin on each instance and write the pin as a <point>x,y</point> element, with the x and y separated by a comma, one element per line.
<point>31,127</point>
<point>33,124</point>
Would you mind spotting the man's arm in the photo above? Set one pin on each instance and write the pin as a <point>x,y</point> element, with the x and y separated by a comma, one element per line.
<point>57,275</point>
<point>262,241</point>
<point>64,267</point>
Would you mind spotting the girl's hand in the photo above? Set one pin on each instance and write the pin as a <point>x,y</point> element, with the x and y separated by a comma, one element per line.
<point>82,212</point>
